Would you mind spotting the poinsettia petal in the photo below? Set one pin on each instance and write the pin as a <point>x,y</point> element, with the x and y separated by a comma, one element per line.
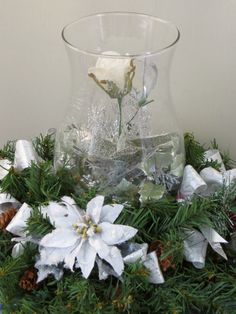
<point>60,238</point>
<point>109,213</point>
<point>99,246</point>
<point>115,259</point>
<point>73,210</point>
<point>116,234</point>
<point>59,215</point>
<point>70,258</point>
<point>94,208</point>
<point>86,259</point>
<point>45,270</point>
<point>53,256</point>
<point>18,223</point>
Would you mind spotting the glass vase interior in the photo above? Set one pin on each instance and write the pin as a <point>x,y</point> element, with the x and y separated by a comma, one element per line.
<point>121,127</point>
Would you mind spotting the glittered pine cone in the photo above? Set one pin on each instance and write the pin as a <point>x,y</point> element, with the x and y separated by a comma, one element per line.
<point>6,217</point>
<point>165,263</point>
<point>232,217</point>
<point>28,281</point>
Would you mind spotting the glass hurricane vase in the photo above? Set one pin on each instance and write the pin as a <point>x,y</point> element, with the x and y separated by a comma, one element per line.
<point>121,127</point>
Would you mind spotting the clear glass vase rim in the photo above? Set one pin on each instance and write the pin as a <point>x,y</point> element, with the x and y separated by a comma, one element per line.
<point>101,54</point>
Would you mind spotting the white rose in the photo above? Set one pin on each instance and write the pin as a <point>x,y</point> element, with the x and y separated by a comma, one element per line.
<point>113,75</point>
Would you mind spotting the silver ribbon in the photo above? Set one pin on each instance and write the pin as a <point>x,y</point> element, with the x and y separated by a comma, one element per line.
<point>24,155</point>
<point>133,252</point>
<point>208,180</point>
<point>195,245</point>
<point>152,264</point>
<point>192,183</point>
<point>5,165</point>
<point>205,183</point>
<point>214,155</point>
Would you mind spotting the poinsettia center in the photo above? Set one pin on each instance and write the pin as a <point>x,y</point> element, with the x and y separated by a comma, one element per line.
<point>86,228</point>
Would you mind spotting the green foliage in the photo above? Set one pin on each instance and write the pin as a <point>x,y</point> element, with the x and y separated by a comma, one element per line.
<point>38,184</point>
<point>195,154</point>
<point>227,161</point>
<point>44,146</point>
<point>8,151</point>
<point>186,289</point>
<point>194,151</point>
<point>37,225</point>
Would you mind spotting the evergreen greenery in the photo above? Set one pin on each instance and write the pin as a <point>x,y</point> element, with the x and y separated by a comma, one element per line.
<point>186,289</point>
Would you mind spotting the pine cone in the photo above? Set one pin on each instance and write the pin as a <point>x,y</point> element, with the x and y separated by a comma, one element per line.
<point>232,217</point>
<point>6,217</point>
<point>165,263</point>
<point>28,281</point>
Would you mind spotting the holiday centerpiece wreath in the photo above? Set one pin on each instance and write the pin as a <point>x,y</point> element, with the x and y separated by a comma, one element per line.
<point>67,250</point>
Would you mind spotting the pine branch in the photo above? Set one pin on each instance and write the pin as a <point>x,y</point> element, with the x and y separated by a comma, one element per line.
<point>194,152</point>
<point>44,146</point>
<point>8,151</point>
<point>227,161</point>
<point>37,225</point>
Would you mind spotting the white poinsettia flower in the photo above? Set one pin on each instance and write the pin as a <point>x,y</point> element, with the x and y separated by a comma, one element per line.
<point>82,236</point>
<point>113,75</point>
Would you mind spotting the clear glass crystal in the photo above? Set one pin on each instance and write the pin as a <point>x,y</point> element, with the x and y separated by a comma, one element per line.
<point>121,125</point>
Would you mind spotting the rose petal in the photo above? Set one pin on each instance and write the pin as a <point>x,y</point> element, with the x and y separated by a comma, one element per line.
<point>94,208</point>
<point>60,238</point>
<point>116,234</point>
<point>109,213</point>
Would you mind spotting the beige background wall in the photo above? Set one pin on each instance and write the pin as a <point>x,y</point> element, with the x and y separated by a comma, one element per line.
<point>34,72</point>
